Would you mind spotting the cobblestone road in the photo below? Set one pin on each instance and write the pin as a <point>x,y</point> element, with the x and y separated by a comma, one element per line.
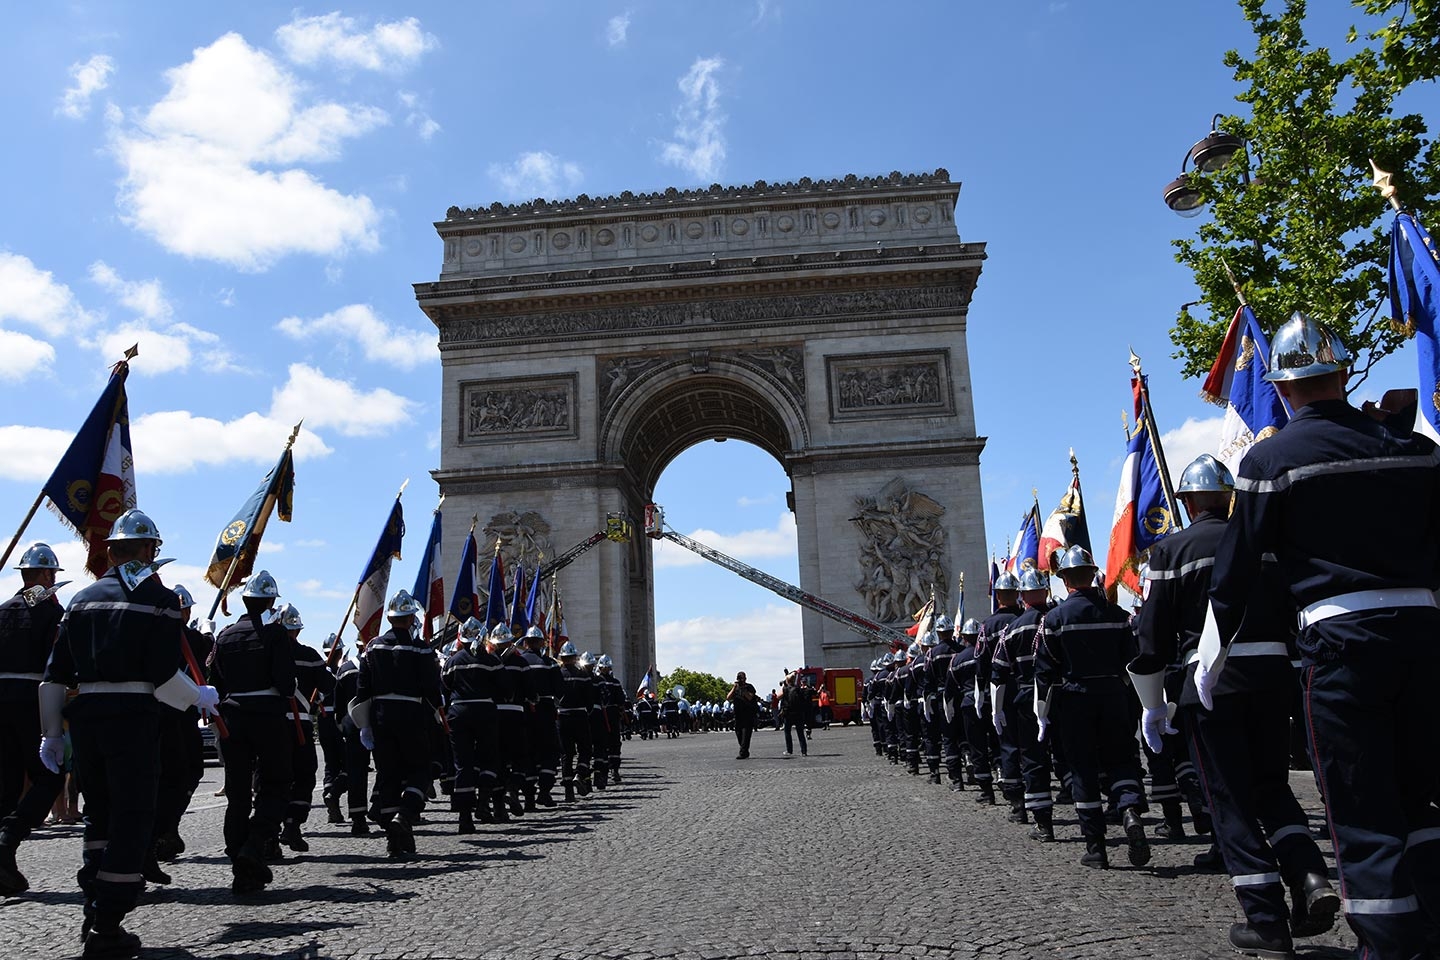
<point>696,856</point>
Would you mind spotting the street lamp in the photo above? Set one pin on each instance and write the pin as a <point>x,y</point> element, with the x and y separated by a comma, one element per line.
<point>1207,156</point>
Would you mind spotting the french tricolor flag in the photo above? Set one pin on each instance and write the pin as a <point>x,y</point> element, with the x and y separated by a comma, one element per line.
<point>430,581</point>
<point>1253,408</point>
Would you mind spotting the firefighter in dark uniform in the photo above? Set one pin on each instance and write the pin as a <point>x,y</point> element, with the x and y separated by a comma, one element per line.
<point>1081,651</point>
<point>599,761</point>
<point>118,646</point>
<point>874,697</point>
<point>313,683</point>
<point>356,753</point>
<point>28,624</point>
<point>894,708</point>
<point>1002,710</point>
<point>612,695</point>
<point>965,697</point>
<point>1368,625</point>
<point>332,742</point>
<point>932,716</point>
<point>576,700</point>
<point>471,678</point>
<point>254,670</point>
<point>645,716</point>
<point>544,691</point>
<point>1012,676</point>
<point>397,693</point>
<point>907,714</point>
<point>511,704</point>
<point>182,752</point>
<point>945,725</point>
<point>1242,745</point>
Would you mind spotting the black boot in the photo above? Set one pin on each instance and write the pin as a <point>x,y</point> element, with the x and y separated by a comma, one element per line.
<point>359,828</point>
<point>502,815</point>
<point>545,799</point>
<point>1173,826</point>
<point>1200,816</point>
<point>615,775</point>
<point>116,944</point>
<point>569,792</point>
<point>152,873</point>
<point>986,795</point>
<point>467,822</point>
<point>1044,829</point>
<point>935,776</point>
<point>332,810</point>
<point>879,750</point>
<point>250,860</point>
<point>1315,906</point>
<point>399,838</point>
<point>272,852</point>
<point>602,778</point>
<point>168,846</point>
<point>1272,943</point>
<point>1095,855</point>
<point>517,805</point>
<point>1139,847</point>
<point>290,836</point>
<point>530,799</point>
<point>1017,811</point>
<point>582,786</point>
<point>12,881</point>
<point>1210,860</point>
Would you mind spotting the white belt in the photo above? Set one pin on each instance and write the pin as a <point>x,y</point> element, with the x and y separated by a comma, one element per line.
<point>476,700</point>
<point>1255,648</point>
<point>37,677</point>
<point>574,710</point>
<point>297,716</point>
<point>271,692</point>
<point>1365,600</point>
<point>399,696</point>
<point>509,706</point>
<point>130,686</point>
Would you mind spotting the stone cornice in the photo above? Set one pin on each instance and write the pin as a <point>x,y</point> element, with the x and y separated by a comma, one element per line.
<point>899,456</point>
<point>664,201</point>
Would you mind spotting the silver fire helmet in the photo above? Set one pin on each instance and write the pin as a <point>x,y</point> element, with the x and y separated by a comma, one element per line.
<point>1007,581</point>
<point>915,652</point>
<point>1076,558</point>
<point>605,662</point>
<point>39,557</point>
<point>1033,579</point>
<point>290,618</point>
<point>568,649</point>
<point>587,659</point>
<point>403,605</point>
<point>501,634</point>
<point>888,660</point>
<point>133,524</point>
<point>944,625</point>
<point>970,628</point>
<point>534,633</point>
<point>929,639</point>
<point>186,600</point>
<point>1305,348</point>
<point>1206,475</point>
<point>472,630</point>
<point>261,586</point>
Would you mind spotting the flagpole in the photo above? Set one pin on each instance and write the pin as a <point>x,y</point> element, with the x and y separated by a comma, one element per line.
<point>130,354</point>
<point>355,598</point>
<point>255,534</point>
<point>1153,437</point>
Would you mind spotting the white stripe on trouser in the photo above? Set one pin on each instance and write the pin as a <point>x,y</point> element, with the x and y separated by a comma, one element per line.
<point>1255,879</point>
<point>1399,905</point>
<point>389,809</point>
<point>1090,805</point>
<point>415,790</point>
<point>1124,783</point>
<point>1038,796</point>
<point>1417,837</point>
<point>1293,830</point>
<point>105,876</point>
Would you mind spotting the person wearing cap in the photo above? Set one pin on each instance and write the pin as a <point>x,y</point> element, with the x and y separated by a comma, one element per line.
<point>612,695</point>
<point>742,697</point>
<point>796,696</point>
<point>544,688</point>
<point>397,692</point>
<point>182,752</point>
<point>254,670</point>
<point>962,694</point>
<point>1081,650</point>
<point>1368,624</point>
<point>1012,681</point>
<point>512,701</point>
<point>312,684</point>
<point>29,622</point>
<point>471,680</point>
<point>118,646</point>
<point>1006,734</point>
<point>1241,746</point>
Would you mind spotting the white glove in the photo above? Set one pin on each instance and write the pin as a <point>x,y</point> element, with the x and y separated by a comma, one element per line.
<point>1154,724</point>
<point>207,627</point>
<point>207,701</point>
<point>1212,660</point>
<point>926,705</point>
<point>949,710</point>
<point>1044,724</point>
<point>52,753</point>
<point>889,711</point>
<point>367,738</point>
<point>997,718</point>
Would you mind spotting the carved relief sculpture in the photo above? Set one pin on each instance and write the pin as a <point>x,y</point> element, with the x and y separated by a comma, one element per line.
<point>902,551</point>
<point>524,538</point>
<point>885,385</point>
<point>517,410</point>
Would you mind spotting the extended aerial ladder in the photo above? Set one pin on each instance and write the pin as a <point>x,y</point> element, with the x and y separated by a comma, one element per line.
<point>871,630</point>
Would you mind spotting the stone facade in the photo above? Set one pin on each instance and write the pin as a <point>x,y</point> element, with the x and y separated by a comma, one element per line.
<point>586,343</point>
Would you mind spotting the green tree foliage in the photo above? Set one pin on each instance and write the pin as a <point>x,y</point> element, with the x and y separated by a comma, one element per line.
<point>1304,229</point>
<point>699,687</point>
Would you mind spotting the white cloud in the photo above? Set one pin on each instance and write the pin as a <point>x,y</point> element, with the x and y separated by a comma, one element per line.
<point>271,546</point>
<point>177,441</point>
<point>1189,440</point>
<point>309,544</point>
<point>764,643</point>
<point>618,29</point>
<point>146,298</point>
<point>30,453</point>
<point>317,588</point>
<point>325,402</point>
<point>390,46</point>
<point>197,175</point>
<point>359,324</point>
<point>89,78</point>
<point>22,355</point>
<point>756,501</point>
<point>536,174</point>
<point>699,144</point>
<point>33,296</point>
<point>164,346</point>
<point>746,545</point>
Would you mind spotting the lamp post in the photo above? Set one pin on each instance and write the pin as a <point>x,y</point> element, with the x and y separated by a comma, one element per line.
<point>1207,156</point>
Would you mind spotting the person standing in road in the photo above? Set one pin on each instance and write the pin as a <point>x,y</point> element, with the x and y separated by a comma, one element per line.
<point>743,698</point>
<point>797,707</point>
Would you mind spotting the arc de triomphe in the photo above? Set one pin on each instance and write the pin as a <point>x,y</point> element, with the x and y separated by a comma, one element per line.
<point>586,343</point>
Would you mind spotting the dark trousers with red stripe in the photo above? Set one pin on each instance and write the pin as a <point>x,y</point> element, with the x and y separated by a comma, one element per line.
<point>23,809</point>
<point>182,766</point>
<point>1374,733</point>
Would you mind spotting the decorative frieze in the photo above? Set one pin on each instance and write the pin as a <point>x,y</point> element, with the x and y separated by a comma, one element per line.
<point>530,408</point>
<point>884,385</point>
<point>902,551</point>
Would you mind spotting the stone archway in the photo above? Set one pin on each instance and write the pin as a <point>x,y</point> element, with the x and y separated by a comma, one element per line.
<point>587,342</point>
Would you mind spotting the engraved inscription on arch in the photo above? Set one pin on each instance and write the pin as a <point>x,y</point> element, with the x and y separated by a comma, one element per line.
<point>526,408</point>
<point>883,385</point>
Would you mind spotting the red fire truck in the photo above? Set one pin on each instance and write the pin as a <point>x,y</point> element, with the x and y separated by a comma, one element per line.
<point>842,692</point>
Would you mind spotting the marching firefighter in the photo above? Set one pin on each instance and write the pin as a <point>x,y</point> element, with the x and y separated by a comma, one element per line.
<point>313,683</point>
<point>544,690</point>
<point>254,670</point>
<point>332,740</point>
<point>948,726</point>
<point>397,693</point>
<point>599,731</point>
<point>471,678</point>
<point>612,695</point>
<point>29,622</point>
<point>182,753</point>
<point>511,704</point>
<point>928,706</point>
<point>965,698</point>
<point>576,700</point>
<point>1002,710</point>
<point>1012,679</point>
<point>118,646</point>
<point>356,752</point>
<point>1081,651</point>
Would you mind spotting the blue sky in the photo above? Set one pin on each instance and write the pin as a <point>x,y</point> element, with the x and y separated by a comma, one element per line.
<point>249,191</point>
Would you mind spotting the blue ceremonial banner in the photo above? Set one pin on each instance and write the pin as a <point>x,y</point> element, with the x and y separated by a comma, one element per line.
<point>430,581</point>
<point>1026,551</point>
<point>466,602</point>
<point>370,596</point>
<point>1415,302</point>
<point>241,536</point>
<point>519,615</point>
<point>994,575</point>
<point>1253,408</point>
<point>495,601</point>
<point>533,600</point>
